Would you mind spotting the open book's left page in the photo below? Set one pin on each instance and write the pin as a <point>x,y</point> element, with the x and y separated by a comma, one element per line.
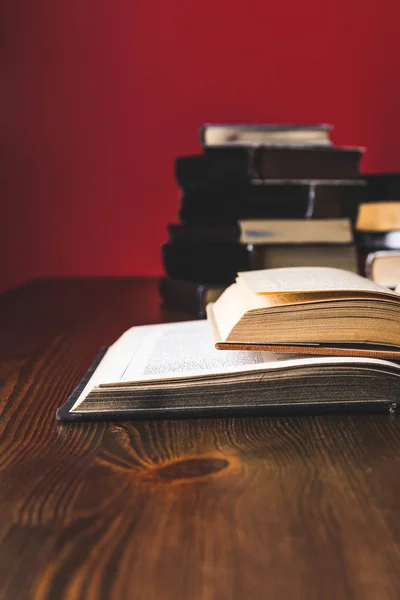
<point>167,351</point>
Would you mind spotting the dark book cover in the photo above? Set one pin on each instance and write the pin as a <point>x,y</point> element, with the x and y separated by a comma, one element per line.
<point>240,165</point>
<point>272,201</point>
<point>369,241</point>
<point>213,262</point>
<point>383,186</point>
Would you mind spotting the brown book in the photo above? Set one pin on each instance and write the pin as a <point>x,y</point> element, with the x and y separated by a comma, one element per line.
<point>308,310</point>
<point>331,162</point>
<point>229,203</point>
<point>224,166</point>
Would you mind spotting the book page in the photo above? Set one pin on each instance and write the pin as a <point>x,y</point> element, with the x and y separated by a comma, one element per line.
<point>183,348</point>
<point>165,351</point>
<point>292,231</point>
<point>308,279</point>
<point>231,135</point>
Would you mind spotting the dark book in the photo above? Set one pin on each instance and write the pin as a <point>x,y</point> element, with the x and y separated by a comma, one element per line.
<point>179,233</point>
<point>383,186</point>
<point>189,296</point>
<point>262,231</point>
<point>220,166</point>
<point>318,199</point>
<point>217,134</point>
<point>369,241</point>
<point>213,262</point>
<point>172,370</point>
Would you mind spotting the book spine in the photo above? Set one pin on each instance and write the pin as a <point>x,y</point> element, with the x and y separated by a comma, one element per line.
<point>383,186</point>
<point>257,202</point>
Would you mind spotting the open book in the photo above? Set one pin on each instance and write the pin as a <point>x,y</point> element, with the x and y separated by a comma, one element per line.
<point>174,370</point>
<point>313,310</point>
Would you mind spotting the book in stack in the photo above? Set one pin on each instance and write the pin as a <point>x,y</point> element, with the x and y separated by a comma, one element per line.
<point>277,341</point>
<point>259,196</point>
<point>377,231</point>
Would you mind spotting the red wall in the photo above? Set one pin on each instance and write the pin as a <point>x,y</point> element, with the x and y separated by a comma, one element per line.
<point>97,98</point>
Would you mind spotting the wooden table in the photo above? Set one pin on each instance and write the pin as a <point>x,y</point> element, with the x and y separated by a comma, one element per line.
<point>268,508</point>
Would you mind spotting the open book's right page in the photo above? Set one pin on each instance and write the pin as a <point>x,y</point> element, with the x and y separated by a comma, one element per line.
<point>308,279</point>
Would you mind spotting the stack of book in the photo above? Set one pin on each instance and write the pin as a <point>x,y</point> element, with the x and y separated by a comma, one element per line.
<point>378,230</point>
<point>259,196</point>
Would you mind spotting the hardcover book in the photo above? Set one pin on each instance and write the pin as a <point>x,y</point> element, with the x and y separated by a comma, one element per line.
<point>241,165</point>
<point>308,310</point>
<point>279,200</point>
<point>172,370</point>
<point>214,134</point>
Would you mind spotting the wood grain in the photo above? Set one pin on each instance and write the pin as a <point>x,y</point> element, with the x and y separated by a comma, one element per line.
<point>208,509</point>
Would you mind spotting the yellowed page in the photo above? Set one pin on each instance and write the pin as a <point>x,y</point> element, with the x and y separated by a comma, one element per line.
<point>308,279</point>
<point>231,135</point>
<point>378,216</point>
